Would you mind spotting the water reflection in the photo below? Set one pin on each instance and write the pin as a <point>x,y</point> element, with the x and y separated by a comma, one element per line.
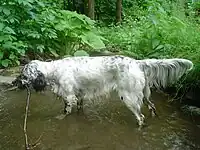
<point>107,126</point>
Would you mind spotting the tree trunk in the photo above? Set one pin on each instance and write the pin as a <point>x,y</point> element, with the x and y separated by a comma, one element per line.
<point>82,7</point>
<point>64,4</point>
<point>86,7</point>
<point>118,11</point>
<point>69,6</point>
<point>91,9</point>
<point>74,5</point>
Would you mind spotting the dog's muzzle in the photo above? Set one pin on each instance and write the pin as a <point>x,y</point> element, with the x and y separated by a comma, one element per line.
<point>37,84</point>
<point>19,83</point>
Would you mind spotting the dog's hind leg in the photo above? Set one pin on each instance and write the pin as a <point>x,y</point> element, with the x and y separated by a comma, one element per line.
<point>80,104</point>
<point>151,106</point>
<point>68,104</point>
<point>79,96</point>
<point>134,103</point>
<point>69,101</point>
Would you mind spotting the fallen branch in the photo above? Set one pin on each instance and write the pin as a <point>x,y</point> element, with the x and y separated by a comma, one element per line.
<point>10,89</point>
<point>25,118</point>
<point>27,145</point>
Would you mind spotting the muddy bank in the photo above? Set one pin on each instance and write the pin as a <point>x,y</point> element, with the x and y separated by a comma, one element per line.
<point>6,80</point>
<point>8,75</point>
<point>188,100</point>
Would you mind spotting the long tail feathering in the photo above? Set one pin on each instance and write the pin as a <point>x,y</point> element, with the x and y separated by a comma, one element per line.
<point>161,72</point>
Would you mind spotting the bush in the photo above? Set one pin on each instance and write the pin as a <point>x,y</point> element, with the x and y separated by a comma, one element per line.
<point>158,33</point>
<point>40,27</point>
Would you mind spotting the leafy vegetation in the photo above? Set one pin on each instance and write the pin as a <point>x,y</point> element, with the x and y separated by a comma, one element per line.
<point>162,30</point>
<point>39,27</point>
<point>149,29</point>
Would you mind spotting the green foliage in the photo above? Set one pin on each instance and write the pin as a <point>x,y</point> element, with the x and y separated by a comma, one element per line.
<point>64,32</point>
<point>41,27</point>
<point>158,32</point>
<point>81,53</point>
<point>150,29</point>
<point>106,10</point>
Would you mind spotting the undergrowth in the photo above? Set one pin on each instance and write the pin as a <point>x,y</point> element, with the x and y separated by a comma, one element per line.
<point>161,31</point>
<point>39,27</point>
<point>150,29</point>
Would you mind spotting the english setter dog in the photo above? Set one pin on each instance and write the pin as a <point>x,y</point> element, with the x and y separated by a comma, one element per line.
<point>82,78</point>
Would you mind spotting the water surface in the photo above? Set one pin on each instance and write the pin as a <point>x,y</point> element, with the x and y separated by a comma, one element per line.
<point>102,126</point>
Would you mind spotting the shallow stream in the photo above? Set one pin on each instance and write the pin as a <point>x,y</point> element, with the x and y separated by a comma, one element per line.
<point>102,126</point>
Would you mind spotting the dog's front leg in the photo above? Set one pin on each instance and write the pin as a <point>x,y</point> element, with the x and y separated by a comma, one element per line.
<point>68,102</point>
<point>79,97</point>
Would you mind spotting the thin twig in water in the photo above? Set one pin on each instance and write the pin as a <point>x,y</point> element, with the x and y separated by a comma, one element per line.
<point>27,145</point>
<point>25,118</point>
<point>10,89</point>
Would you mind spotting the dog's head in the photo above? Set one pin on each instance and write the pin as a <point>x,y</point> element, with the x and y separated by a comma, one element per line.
<point>31,76</point>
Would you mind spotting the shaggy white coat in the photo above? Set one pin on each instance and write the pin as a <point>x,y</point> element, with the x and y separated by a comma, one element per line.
<point>82,78</point>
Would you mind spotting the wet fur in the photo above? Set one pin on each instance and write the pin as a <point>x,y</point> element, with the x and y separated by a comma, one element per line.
<point>162,72</point>
<point>83,78</point>
<point>159,73</point>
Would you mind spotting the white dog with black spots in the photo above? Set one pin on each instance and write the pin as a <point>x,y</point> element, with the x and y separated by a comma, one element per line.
<point>77,79</point>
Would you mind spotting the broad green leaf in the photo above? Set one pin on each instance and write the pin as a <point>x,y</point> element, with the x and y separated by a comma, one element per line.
<point>34,35</point>
<point>92,40</point>
<point>1,8</point>
<point>155,43</point>
<point>75,23</point>
<point>20,1</point>
<point>54,53</point>
<point>8,45</point>
<point>5,62</point>
<point>1,26</point>
<point>65,56</point>
<point>41,4</point>
<point>179,23</point>
<point>20,44</point>
<point>11,38</point>
<point>7,38</point>
<point>2,38</point>
<point>40,48</point>
<point>1,55</point>
<point>51,17</point>
<point>6,11</point>
<point>43,29</point>
<point>85,20</point>
<point>154,19</point>
<point>9,30</point>
<point>62,25</point>
<point>21,51</point>
<point>52,35</point>
<point>12,20</point>
<point>17,20</point>
<point>81,53</point>
<point>12,56</point>
<point>160,47</point>
<point>27,3</point>
<point>17,62</point>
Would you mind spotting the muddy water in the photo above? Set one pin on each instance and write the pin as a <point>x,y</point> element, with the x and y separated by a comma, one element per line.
<point>102,126</point>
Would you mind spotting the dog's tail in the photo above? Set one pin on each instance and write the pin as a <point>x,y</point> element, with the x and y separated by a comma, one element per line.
<point>161,72</point>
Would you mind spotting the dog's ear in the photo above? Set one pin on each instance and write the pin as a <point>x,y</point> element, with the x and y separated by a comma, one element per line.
<point>39,83</point>
<point>17,82</point>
